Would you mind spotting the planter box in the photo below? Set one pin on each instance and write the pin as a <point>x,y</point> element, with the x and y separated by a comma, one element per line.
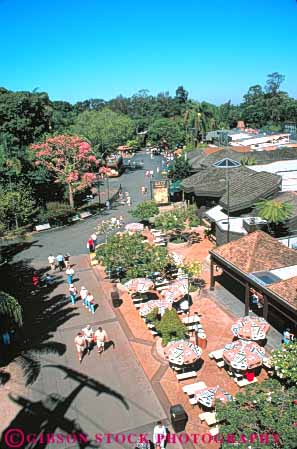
<point>173,246</point>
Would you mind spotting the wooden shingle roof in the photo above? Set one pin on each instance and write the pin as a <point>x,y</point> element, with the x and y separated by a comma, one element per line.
<point>257,251</point>
<point>246,191</point>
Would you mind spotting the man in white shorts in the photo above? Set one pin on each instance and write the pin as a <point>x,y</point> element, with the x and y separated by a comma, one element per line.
<point>101,338</point>
<point>89,335</point>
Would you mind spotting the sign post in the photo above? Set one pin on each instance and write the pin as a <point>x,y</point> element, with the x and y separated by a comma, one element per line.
<point>160,191</point>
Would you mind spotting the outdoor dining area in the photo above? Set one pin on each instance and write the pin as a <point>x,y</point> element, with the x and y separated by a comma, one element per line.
<point>244,357</point>
<point>183,355</point>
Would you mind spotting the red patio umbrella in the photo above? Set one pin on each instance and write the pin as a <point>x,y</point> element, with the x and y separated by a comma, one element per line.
<point>243,355</point>
<point>182,352</point>
<point>251,328</point>
<point>140,285</point>
<point>208,396</point>
<point>161,304</point>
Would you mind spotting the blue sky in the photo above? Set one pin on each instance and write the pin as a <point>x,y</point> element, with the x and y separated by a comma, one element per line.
<point>78,49</point>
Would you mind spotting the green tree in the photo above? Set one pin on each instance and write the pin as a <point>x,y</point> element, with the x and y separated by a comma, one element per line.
<point>179,169</point>
<point>285,360</point>
<point>166,131</point>
<point>16,206</point>
<point>145,210</point>
<point>264,408</point>
<point>24,117</point>
<point>133,254</point>
<point>170,327</point>
<point>105,130</point>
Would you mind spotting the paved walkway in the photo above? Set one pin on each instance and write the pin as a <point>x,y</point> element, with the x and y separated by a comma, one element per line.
<point>73,238</point>
<point>107,393</point>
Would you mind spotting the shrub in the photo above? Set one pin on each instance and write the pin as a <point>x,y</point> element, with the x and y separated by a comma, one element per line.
<point>285,360</point>
<point>145,210</point>
<point>152,317</point>
<point>56,213</point>
<point>133,254</point>
<point>170,327</point>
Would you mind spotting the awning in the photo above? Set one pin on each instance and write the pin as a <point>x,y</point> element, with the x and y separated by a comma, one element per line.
<point>175,187</point>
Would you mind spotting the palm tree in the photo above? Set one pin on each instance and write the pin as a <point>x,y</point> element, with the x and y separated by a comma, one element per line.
<point>10,308</point>
<point>199,118</point>
<point>275,212</point>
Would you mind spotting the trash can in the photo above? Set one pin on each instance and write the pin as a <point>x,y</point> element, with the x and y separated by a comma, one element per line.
<point>202,342</point>
<point>178,417</point>
<point>115,297</point>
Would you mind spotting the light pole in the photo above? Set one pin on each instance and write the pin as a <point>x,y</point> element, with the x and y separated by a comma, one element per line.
<point>98,176</point>
<point>226,164</point>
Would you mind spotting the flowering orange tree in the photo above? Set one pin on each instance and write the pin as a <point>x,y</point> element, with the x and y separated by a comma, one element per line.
<point>70,160</point>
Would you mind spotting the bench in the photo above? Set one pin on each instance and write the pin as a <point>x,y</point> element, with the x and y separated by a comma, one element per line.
<point>245,382</point>
<point>187,375</point>
<point>190,389</point>
<point>85,214</point>
<point>154,333</point>
<point>221,364</point>
<point>42,227</point>
<point>75,218</point>
<point>210,355</point>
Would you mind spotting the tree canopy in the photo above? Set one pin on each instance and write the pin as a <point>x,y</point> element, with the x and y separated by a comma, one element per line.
<point>261,409</point>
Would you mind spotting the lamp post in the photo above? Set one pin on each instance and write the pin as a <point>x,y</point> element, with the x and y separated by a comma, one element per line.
<point>98,177</point>
<point>226,164</point>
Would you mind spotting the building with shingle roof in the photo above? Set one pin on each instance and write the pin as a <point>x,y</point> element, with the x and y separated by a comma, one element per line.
<point>260,262</point>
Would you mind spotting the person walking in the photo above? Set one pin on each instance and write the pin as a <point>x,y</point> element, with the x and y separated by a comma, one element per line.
<point>60,260</point>
<point>90,302</point>
<point>89,337</point>
<point>70,274</point>
<point>83,294</point>
<point>67,260</point>
<point>158,169</point>
<point>129,201</point>
<point>80,346</point>
<point>101,338</point>
<point>159,435</point>
<point>72,293</point>
<point>52,262</point>
<point>94,238</point>
<point>35,280</point>
<point>90,245</point>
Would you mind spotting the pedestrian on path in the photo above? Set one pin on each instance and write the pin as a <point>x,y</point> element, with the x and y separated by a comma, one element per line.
<point>129,201</point>
<point>35,280</point>
<point>52,262</point>
<point>94,238</point>
<point>89,337</point>
<point>72,293</point>
<point>80,346</point>
<point>90,302</point>
<point>70,274</point>
<point>61,262</point>
<point>67,260</point>
<point>83,294</point>
<point>159,435</point>
<point>101,338</point>
<point>48,280</point>
<point>158,169</point>
<point>90,245</point>
<point>151,173</point>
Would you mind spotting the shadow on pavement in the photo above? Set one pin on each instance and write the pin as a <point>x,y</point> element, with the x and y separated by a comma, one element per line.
<point>38,422</point>
<point>43,314</point>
